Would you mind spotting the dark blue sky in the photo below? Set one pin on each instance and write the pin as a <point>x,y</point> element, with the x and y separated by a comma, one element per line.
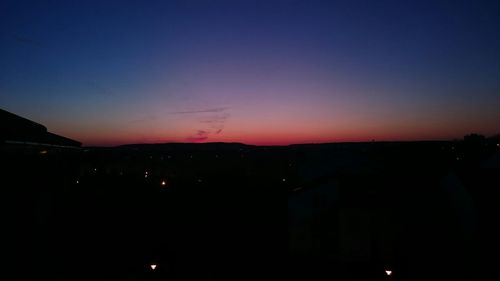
<point>109,72</point>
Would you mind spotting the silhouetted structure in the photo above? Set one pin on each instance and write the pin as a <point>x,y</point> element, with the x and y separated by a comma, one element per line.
<point>18,130</point>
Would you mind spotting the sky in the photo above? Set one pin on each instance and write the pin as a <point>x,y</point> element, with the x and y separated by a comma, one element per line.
<point>258,72</point>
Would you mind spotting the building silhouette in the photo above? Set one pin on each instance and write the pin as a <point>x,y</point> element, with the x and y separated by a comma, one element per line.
<point>15,129</point>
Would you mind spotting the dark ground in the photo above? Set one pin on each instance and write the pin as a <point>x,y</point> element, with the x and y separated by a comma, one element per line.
<point>425,210</point>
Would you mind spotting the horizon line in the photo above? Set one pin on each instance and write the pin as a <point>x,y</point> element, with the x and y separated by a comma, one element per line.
<point>278,145</point>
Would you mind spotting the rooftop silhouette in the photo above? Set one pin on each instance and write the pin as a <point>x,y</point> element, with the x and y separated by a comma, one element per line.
<point>16,129</point>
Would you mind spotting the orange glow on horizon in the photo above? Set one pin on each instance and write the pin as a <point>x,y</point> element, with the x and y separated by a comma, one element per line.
<point>270,136</point>
<point>274,140</point>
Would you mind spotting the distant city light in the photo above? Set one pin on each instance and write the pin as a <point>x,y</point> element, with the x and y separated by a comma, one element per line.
<point>163,183</point>
<point>297,189</point>
<point>43,152</point>
<point>388,272</point>
<point>498,144</point>
<point>95,169</point>
<point>77,181</point>
<point>153,266</point>
<point>284,179</point>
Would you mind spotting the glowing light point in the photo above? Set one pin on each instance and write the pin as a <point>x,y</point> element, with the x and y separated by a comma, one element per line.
<point>163,183</point>
<point>153,266</point>
<point>77,181</point>
<point>388,272</point>
<point>283,179</point>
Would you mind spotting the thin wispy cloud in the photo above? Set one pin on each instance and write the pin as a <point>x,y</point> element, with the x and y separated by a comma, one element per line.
<point>214,119</point>
<point>210,124</point>
<point>200,135</point>
<point>26,40</point>
<point>215,122</point>
<point>98,88</point>
<point>143,120</point>
<point>208,110</point>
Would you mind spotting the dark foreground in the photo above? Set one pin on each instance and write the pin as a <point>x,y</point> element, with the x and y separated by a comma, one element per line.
<point>424,211</point>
